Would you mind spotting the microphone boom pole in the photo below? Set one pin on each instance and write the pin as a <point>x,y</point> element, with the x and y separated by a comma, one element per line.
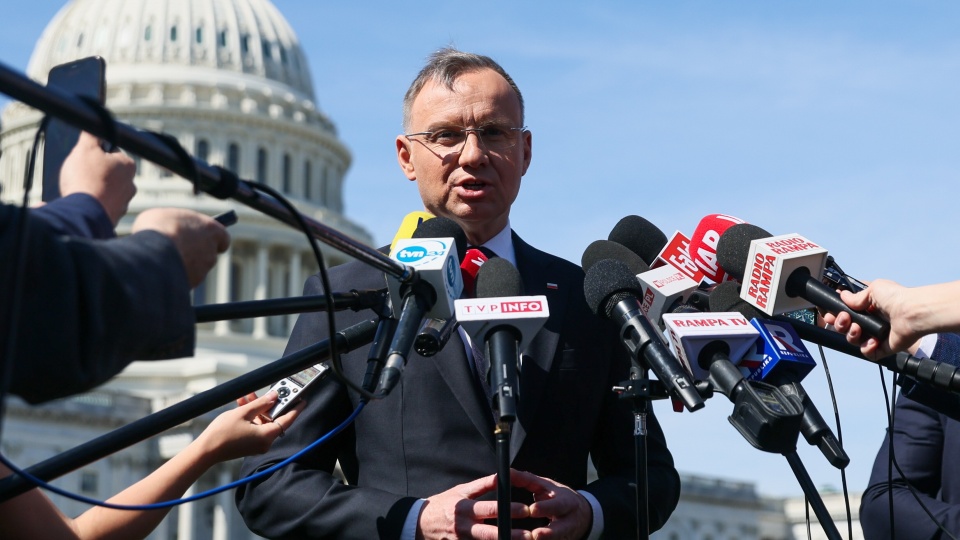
<point>76,112</point>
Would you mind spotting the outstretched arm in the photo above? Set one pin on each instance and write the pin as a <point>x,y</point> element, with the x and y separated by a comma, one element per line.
<point>232,434</point>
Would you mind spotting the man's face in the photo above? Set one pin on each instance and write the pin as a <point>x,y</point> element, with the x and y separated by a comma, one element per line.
<point>475,186</point>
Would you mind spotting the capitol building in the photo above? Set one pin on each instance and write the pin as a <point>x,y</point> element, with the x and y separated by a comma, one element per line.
<point>229,80</point>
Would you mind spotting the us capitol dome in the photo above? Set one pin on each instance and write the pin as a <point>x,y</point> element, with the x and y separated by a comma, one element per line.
<point>229,80</point>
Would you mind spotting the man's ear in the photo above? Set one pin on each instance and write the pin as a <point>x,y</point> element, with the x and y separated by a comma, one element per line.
<point>404,157</point>
<point>527,151</point>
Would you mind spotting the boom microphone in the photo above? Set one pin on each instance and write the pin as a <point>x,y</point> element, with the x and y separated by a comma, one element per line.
<point>612,292</point>
<point>781,274</point>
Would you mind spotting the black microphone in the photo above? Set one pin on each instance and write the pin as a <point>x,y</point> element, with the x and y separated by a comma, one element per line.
<point>434,253</point>
<point>613,293</point>
<point>504,322</point>
<point>639,236</point>
<point>784,362</point>
<point>782,274</point>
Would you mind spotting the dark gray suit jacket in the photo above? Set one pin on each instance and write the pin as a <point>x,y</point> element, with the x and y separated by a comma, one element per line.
<point>435,431</point>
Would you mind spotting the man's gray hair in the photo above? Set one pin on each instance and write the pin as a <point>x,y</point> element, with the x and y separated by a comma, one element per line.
<point>444,66</point>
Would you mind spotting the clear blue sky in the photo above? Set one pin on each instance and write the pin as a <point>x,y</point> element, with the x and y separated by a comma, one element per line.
<point>836,121</point>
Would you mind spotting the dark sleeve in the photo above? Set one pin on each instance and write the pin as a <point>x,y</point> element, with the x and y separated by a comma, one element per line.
<point>943,401</point>
<point>304,499</point>
<point>919,448</point>
<point>78,214</point>
<point>88,308</point>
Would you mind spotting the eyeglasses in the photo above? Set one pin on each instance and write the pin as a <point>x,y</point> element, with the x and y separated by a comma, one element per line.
<point>451,140</point>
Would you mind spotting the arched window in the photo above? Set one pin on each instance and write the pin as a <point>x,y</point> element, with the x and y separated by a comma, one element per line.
<point>307,180</point>
<point>262,165</point>
<point>148,33</point>
<point>223,38</point>
<point>198,35</point>
<point>233,158</point>
<point>173,33</point>
<point>286,173</point>
<point>202,150</point>
<point>245,44</point>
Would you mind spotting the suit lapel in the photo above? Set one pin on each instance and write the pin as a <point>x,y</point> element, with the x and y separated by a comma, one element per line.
<point>454,367</point>
<point>538,356</point>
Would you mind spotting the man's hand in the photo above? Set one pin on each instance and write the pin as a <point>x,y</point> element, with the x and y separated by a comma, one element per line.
<point>570,515</point>
<point>108,177</point>
<point>198,237</point>
<point>455,514</point>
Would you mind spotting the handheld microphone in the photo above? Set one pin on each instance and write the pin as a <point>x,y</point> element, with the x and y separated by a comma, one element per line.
<point>703,244</point>
<point>505,322</point>
<point>612,292</point>
<point>781,359</point>
<point>433,253</point>
<point>781,274</point>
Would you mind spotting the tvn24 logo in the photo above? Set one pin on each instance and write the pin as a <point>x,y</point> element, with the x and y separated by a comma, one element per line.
<point>422,253</point>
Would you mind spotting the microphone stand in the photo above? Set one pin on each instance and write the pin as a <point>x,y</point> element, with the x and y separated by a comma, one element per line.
<point>212,180</point>
<point>641,390</point>
<point>504,384</point>
<point>348,339</point>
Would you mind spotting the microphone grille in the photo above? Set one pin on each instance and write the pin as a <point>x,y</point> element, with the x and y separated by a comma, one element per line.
<point>498,278</point>
<point>639,236</point>
<point>733,248</point>
<point>607,283</point>
<point>607,249</point>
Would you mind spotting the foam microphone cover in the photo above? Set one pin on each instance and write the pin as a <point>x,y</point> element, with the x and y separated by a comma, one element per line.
<point>703,244</point>
<point>725,297</point>
<point>733,248</point>
<point>498,278</point>
<point>441,227</point>
<point>606,283</point>
<point>607,249</point>
<point>640,236</point>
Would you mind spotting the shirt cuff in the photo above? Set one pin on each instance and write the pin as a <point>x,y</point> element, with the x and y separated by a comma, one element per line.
<point>409,531</point>
<point>596,529</point>
<point>927,345</point>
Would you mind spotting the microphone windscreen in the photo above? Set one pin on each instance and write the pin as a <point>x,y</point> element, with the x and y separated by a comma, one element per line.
<point>725,297</point>
<point>604,281</point>
<point>733,248</point>
<point>498,278</point>
<point>409,225</point>
<point>441,227</point>
<point>639,236</point>
<point>607,249</point>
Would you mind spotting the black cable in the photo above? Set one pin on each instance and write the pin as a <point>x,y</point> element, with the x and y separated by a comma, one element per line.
<point>836,417</point>
<point>324,279</point>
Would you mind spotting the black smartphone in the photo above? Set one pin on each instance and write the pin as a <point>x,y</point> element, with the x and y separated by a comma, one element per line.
<point>84,77</point>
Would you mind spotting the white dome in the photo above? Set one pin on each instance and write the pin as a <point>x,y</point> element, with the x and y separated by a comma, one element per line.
<point>145,41</point>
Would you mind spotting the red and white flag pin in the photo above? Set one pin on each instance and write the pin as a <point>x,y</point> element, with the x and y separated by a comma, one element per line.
<point>552,286</point>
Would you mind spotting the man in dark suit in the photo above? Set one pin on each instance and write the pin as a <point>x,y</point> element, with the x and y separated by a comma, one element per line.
<point>421,463</point>
<point>926,443</point>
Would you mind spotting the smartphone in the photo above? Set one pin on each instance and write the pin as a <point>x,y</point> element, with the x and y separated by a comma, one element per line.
<point>290,390</point>
<point>84,77</point>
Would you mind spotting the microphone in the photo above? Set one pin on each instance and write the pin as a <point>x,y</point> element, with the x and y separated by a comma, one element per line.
<point>505,322</point>
<point>612,292</point>
<point>781,274</point>
<point>433,253</point>
<point>781,359</point>
<point>663,289</point>
<point>703,244</point>
<point>408,226</point>
<point>650,244</point>
<point>639,236</point>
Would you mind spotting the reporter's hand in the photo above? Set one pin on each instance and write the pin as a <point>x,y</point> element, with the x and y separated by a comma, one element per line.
<point>243,431</point>
<point>570,515</point>
<point>198,237</point>
<point>886,299</point>
<point>455,514</point>
<point>108,177</point>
